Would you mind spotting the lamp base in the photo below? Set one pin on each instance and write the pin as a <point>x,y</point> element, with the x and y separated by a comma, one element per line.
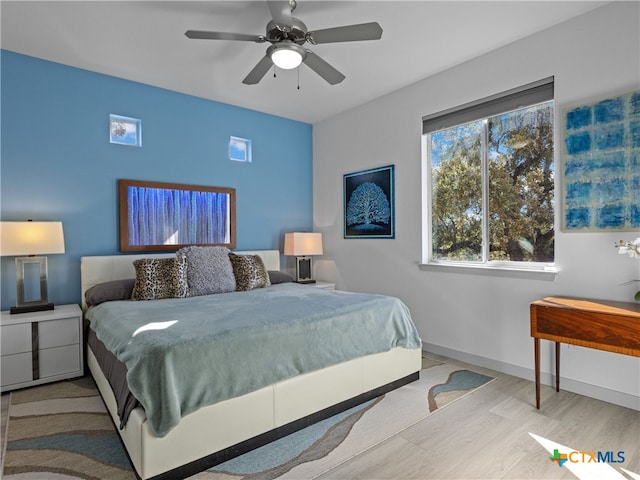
<point>303,270</point>
<point>32,308</point>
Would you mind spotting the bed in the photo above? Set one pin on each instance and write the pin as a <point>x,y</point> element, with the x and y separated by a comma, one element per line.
<point>216,432</point>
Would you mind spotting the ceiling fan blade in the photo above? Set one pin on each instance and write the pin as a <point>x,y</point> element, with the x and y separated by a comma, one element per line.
<point>323,69</point>
<point>204,35</point>
<point>281,14</point>
<point>258,71</point>
<point>348,33</point>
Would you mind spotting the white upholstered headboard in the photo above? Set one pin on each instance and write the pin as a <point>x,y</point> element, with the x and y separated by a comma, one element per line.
<point>99,269</point>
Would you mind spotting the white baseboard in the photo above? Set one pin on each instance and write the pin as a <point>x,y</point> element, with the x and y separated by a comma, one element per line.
<point>581,388</point>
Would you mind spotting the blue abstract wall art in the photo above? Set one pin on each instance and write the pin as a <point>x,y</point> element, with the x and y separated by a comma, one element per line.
<point>173,217</point>
<point>166,216</point>
<point>601,165</point>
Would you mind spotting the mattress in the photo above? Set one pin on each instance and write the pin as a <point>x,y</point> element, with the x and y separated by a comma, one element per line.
<point>116,374</point>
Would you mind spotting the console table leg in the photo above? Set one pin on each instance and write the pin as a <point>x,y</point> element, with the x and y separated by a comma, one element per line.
<point>536,356</point>
<point>557,366</point>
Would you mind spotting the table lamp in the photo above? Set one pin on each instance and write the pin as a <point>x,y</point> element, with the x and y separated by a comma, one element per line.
<point>28,242</point>
<point>302,245</point>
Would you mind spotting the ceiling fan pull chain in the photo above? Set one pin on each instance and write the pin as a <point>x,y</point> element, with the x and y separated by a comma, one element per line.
<point>298,78</point>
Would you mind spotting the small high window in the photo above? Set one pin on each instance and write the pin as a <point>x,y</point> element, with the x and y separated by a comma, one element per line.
<point>125,130</point>
<point>239,149</point>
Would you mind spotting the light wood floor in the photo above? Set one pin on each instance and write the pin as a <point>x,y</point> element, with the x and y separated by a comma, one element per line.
<point>485,435</point>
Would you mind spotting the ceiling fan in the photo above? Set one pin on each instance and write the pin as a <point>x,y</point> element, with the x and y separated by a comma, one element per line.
<point>287,36</point>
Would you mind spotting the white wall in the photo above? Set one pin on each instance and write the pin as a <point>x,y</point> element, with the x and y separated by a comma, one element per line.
<point>477,317</point>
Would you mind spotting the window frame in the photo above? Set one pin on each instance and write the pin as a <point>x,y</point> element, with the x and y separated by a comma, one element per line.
<point>481,110</point>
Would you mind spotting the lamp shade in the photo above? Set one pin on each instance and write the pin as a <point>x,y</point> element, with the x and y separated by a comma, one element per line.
<point>302,243</point>
<point>31,238</point>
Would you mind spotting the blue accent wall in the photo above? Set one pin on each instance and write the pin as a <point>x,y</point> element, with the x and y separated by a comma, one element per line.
<point>57,162</point>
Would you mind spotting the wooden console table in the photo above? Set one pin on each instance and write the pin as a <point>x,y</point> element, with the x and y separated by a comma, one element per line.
<point>600,324</point>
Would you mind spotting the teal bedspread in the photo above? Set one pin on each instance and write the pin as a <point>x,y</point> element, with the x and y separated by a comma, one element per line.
<point>182,354</point>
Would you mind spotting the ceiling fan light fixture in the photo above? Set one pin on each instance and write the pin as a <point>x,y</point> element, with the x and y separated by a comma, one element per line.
<point>286,59</point>
<point>286,55</point>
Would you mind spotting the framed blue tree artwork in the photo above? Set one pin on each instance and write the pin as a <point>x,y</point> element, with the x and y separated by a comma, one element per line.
<point>369,210</point>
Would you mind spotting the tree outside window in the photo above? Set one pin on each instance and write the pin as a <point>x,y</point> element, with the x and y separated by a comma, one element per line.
<point>492,188</point>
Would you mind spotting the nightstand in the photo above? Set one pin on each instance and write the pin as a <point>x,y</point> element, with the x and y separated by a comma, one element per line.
<point>325,285</point>
<point>40,347</point>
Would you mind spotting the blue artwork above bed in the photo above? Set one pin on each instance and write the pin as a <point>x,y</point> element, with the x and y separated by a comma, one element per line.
<point>165,216</point>
<point>601,153</point>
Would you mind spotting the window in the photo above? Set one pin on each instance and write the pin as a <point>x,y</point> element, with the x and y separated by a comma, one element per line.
<point>240,149</point>
<point>490,181</point>
<point>125,130</point>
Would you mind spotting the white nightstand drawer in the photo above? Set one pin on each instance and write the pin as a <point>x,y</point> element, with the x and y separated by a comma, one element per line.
<point>15,339</point>
<point>59,360</point>
<point>56,333</point>
<point>16,368</point>
<point>57,336</point>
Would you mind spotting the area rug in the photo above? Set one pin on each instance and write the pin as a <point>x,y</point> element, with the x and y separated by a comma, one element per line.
<point>62,431</point>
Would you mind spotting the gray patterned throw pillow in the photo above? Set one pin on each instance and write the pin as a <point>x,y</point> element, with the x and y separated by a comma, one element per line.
<point>209,270</point>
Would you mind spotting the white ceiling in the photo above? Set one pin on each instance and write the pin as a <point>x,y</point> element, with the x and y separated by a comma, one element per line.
<point>144,41</point>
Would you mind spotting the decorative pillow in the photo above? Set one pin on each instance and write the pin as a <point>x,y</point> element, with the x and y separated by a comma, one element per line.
<point>249,271</point>
<point>158,278</point>
<point>209,270</point>
<point>109,291</point>
<point>276,276</point>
